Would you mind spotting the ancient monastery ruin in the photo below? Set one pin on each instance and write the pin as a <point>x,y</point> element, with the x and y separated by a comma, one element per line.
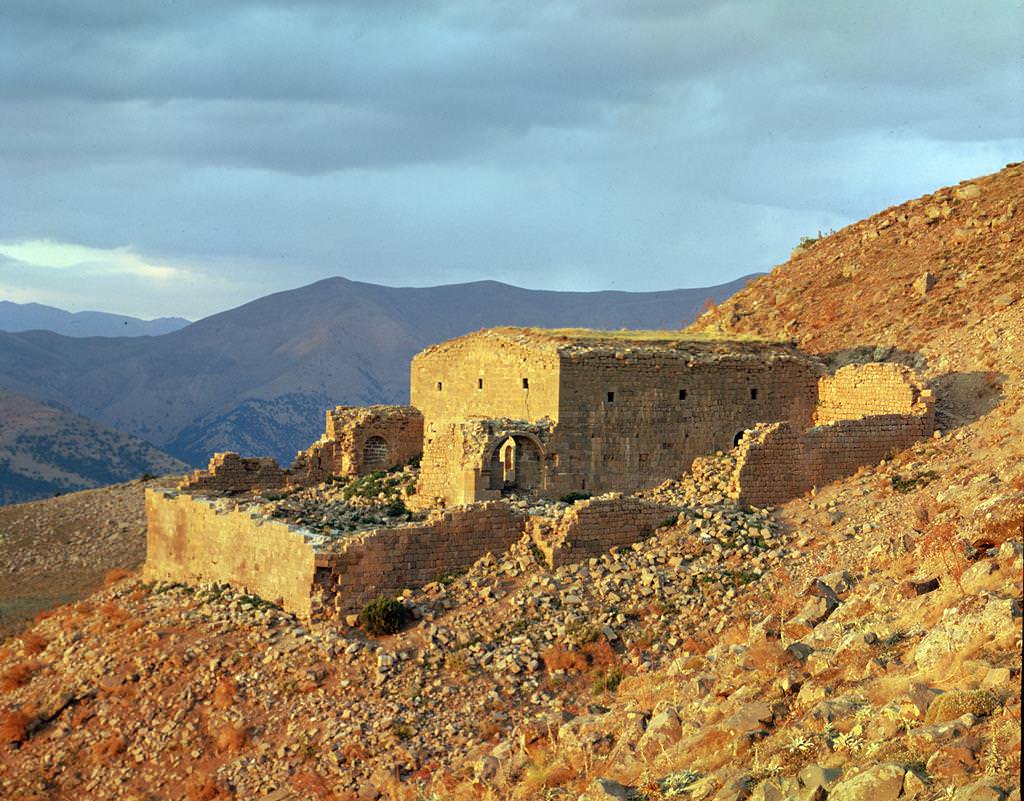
<point>544,414</point>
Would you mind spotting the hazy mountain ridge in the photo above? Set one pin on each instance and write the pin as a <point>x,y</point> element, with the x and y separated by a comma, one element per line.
<point>17,317</point>
<point>217,384</point>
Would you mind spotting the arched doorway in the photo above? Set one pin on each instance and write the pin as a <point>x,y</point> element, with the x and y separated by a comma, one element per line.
<point>515,465</point>
<point>375,454</point>
<point>738,437</point>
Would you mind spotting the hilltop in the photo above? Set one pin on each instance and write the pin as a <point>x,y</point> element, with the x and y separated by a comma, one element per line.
<point>46,451</point>
<point>860,643</point>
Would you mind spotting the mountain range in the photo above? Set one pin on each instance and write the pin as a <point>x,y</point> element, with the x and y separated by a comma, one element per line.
<point>15,317</point>
<point>257,378</point>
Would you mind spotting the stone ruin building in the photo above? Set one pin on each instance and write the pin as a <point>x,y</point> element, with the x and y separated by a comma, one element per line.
<point>541,414</point>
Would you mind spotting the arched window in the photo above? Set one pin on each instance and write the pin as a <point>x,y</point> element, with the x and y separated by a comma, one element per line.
<point>375,454</point>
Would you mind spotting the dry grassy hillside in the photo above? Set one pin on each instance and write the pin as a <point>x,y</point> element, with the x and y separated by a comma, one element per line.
<point>861,643</point>
<point>46,451</point>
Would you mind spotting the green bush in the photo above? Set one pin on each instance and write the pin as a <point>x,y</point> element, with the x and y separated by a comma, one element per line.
<point>383,616</point>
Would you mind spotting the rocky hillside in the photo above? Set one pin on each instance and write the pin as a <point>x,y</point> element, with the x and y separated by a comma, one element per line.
<point>937,282</point>
<point>862,643</point>
<point>60,549</point>
<point>258,378</point>
<point>46,451</point>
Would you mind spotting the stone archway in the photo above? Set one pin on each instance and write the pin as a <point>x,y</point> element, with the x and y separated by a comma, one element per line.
<point>516,464</point>
<point>738,437</point>
<point>376,454</point>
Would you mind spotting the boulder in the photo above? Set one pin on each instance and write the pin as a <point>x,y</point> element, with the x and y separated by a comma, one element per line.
<point>882,782</point>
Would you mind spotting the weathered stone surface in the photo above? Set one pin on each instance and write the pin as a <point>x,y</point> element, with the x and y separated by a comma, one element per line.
<point>879,783</point>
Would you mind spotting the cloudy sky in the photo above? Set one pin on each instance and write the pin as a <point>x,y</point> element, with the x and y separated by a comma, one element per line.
<point>178,157</point>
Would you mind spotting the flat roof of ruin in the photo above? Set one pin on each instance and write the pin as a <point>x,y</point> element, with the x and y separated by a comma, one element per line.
<point>578,341</point>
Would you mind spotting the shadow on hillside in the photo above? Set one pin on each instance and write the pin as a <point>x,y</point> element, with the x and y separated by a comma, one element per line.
<point>960,398</point>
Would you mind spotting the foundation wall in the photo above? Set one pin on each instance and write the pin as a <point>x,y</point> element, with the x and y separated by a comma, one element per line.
<point>386,561</point>
<point>594,526</point>
<point>189,540</point>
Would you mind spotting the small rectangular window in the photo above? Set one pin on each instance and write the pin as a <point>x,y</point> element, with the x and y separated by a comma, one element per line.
<point>526,383</point>
<point>438,386</point>
<point>479,383</point>
<point>682,394</point>
<point>753,393</point>
<point>611,397</point>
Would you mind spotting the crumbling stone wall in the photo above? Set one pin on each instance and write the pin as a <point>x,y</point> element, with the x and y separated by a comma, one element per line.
<point>778,461</point>
<point>229,472</point>
<point>190,539</point>
<point>463,461</point>
<point>386,561</point>
<point>863,390</point>
<point>594,526</point>
<point>629,420</point>
<point>360,440</point>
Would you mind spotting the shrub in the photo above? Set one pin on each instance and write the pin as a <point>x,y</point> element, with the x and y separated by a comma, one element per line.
<point>383,616</point>
<point>17,675</point>
<point>943,542</point>
<point>572,497</point>
<point>33,644</point>
<point>14,726</point>
<point>955,703</point>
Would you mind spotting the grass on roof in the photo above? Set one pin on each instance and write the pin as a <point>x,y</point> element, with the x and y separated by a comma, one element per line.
<point>640,335</point>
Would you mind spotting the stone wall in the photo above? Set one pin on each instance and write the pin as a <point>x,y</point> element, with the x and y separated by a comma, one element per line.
<point>462,460</point>
<point>863,390</point>
<point>386,561</point>
<point>229,472</point>
<point>360,440</point>
<point>871,412</point>
<point>618,416</point>
<point>484,375</point>
<point>190,539</point>
<point>592,527</point>
<point>628,421</point>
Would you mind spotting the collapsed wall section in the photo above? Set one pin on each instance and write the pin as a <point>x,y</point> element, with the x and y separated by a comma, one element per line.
<point>777,461</point>
<point>386,561</point>
<point>360,440</point>
<point>229,472</point>
<point>468,461</point>
<point>190,539</point>
<point>864,390</point>
<point>592,527</point>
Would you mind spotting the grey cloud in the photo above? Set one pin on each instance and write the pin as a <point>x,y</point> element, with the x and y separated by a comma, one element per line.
<point>627,143</point>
